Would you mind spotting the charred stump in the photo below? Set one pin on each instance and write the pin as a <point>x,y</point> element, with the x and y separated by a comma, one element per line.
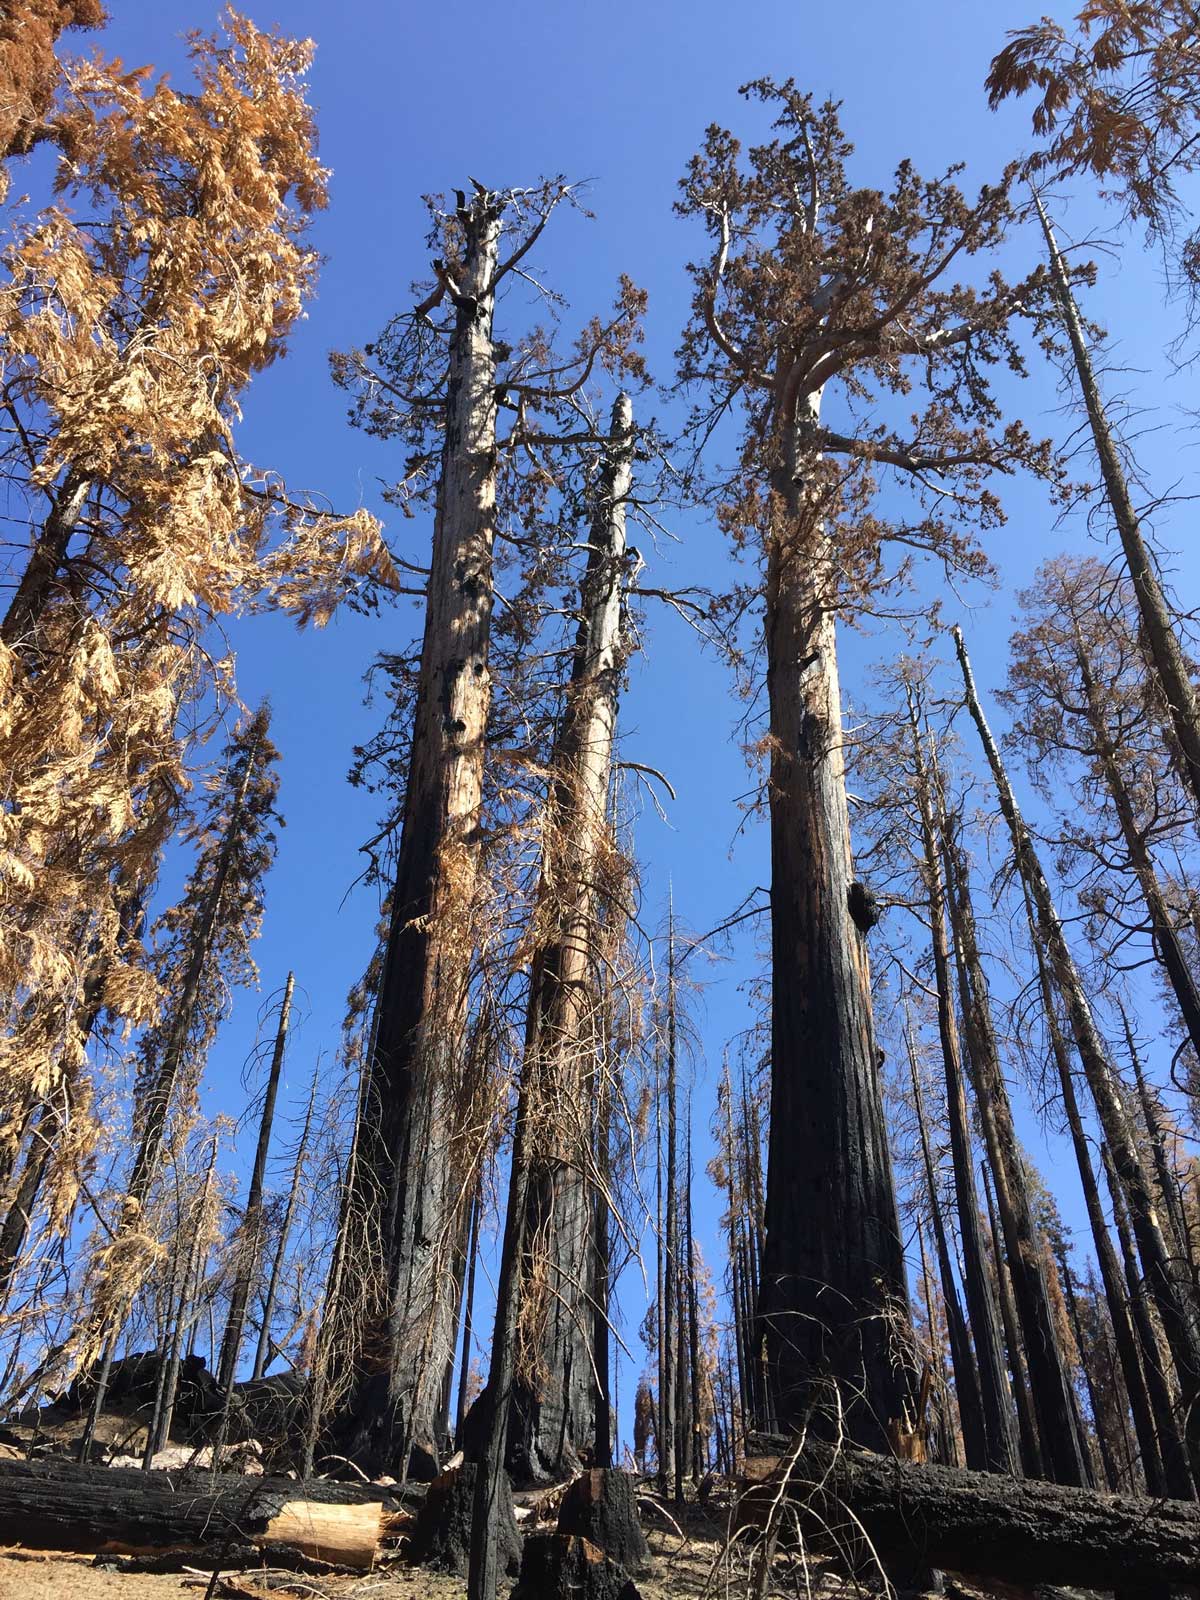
<point>564,1566</point>
<point>601,1507</point>
<point>441,1537</point>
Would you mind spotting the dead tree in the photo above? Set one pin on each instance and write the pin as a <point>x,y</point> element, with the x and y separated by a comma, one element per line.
<point>1049,1382</point>
<point>1164,651</point>
<point>561,1019</point>
<point>1173,1293</point>
<point>248,1243</point>
<point>1000,1446</point>
<point>440,376</point>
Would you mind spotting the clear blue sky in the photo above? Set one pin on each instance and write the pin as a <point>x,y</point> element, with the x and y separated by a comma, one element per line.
<point>414,99</point>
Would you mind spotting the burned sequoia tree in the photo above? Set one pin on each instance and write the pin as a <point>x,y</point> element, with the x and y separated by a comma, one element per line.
<point>810,281</point>
<point>438,380</point>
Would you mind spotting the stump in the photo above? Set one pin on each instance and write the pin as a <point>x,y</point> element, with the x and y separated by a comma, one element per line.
<point>563,1566</point>
<point>601,1506</point>
<point>441,1536</point>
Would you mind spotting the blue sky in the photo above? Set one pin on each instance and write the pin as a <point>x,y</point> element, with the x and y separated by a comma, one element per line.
<point>417,98</point>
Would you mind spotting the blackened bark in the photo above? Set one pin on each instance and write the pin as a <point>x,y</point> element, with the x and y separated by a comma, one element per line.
<point>1173,1293</point>
<point>404,1161</point>
<point>1115,1293</point>
<point>966,1374</point>
<point>1031,1448</point>
<point>833,1296</point>
<point>1050,1385</point>
<point>1164,649</point>
<point>668,1361</point>
<point>1000,1444</point>
<point>262,1353</point>
<point>248,1245</point>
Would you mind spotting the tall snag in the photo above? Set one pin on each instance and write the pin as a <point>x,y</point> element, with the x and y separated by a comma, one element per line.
<point>438,379</point>
<point>810,281</point>
<point>553,1420</point>
<point>1167,1279</point>
<point>548,1193</point>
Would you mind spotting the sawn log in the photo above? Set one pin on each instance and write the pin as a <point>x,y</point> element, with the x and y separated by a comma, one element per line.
<point>977,1523</point>
<point>53,1505</point>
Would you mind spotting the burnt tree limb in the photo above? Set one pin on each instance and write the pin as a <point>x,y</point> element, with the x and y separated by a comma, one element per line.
<point>980,1524</point>
<point>52,1505</point>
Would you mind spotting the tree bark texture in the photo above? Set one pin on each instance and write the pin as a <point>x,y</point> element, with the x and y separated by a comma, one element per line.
<point>553,1419</point>
<point>833,1294</point>
<point>1022,1532</point>
<point>406,1163</point>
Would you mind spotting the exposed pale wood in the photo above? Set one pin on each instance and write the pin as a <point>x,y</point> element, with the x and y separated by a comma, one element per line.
<point>58,1506</point>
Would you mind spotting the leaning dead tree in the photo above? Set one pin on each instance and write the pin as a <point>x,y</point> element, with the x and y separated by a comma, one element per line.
<point>811,281</point>
<point>440,379</point>
<point>545,1392</point>
<point>1167,1279</point>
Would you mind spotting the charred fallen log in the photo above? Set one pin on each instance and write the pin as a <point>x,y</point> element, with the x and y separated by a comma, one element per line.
<point>977,1523</point>
<point>50,1505</point>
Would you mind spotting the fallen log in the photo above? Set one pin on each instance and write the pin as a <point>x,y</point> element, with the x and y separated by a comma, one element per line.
<point>52,1505</point>
<point>980,1524</point>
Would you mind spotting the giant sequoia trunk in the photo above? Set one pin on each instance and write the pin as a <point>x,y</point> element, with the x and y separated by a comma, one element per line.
<point>1167,1279</point>
<point>554,1397</point>
<point>833,1286</point>
<point>1162,642</point>
<point>405,1158</point>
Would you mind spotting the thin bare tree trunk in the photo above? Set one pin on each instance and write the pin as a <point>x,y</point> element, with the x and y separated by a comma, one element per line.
<point>248,1246</point>
<point>1050,1386</point>
<point>668,1359</point>
<point>1168,1282</point>
<point>464,1374</point>
<point>1000,1443</point>
<point>553,1417</point>
<point>1115,1293</point>
<point>1031,1449</point>
<point>422,1001</point>
<point>966,1374</point>
<point>1164,649</point>
<point>262,1353</point>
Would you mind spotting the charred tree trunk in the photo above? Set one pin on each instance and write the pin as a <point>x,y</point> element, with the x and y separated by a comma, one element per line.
<point>1163,647</point>
<point>249,1244</point>
<point>553,1416</point>
<point>602,1455</point>
<point>668,1380</point>
<point>468,1318</point>
<point>1049,1383</point>
<point>262,1353</point>
<point>1031,1449</point>
<point>1115,1293</point>
<point>1000,1444</point>
<point>422,1001</point>
<point>1155,1360</point>
<point>833,1293</point>
<point>966,1374</point>
<point>1168,1282</point>
<point>1167,1182</point>
<point>562,1013</point>
<point>693,1312</point>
